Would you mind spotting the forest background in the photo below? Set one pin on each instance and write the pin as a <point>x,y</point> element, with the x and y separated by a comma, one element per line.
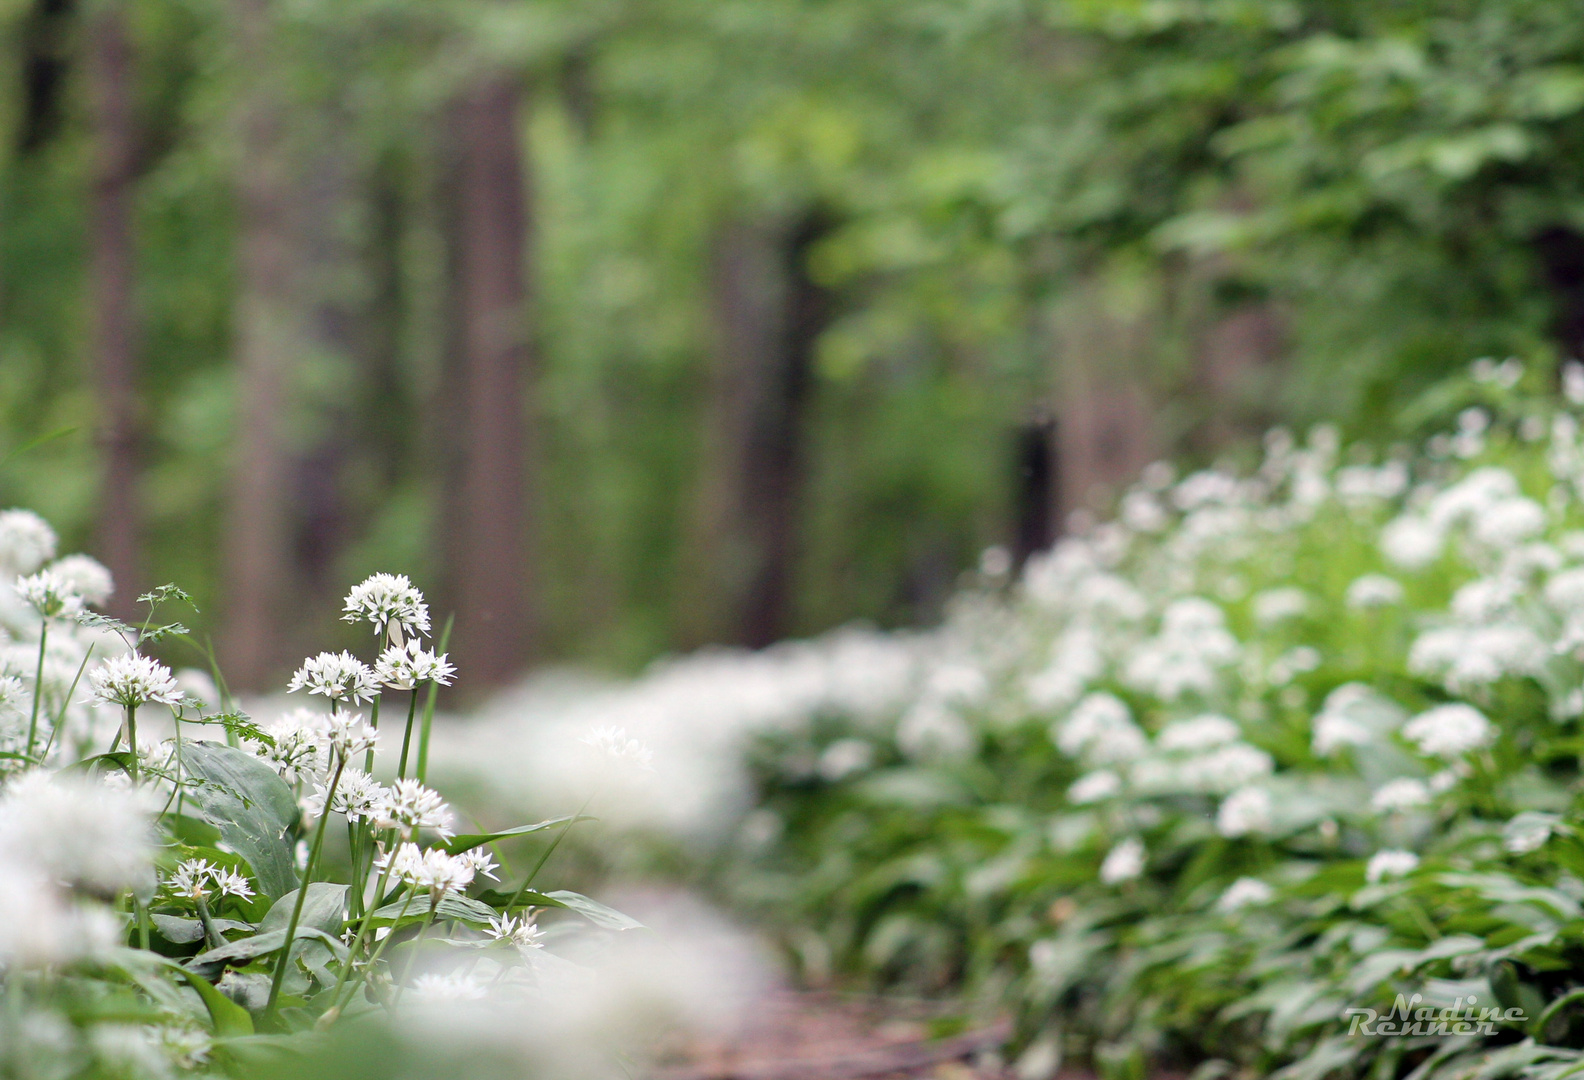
<point>627,326</point>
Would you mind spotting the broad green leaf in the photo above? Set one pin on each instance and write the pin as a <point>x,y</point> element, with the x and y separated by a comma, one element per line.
<point>239,952</point>
<point>252,807</point>
<point>451,906</point>
<point>468,841</point>
<point>594,911</point>
<point>174,928</point>
<point>324,909</point>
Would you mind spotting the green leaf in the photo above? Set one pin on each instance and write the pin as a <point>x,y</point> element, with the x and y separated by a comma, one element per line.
<point>468,841</point>
<point>594,911</point>
<point>237,953</point>
<point>252,807</point>
<point>180,931</point>
<point>324,909</point>
<point>96,765</point>
<point>451,906</point>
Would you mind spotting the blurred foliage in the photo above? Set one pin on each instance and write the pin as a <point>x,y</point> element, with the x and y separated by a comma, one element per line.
<point>1396,180</point>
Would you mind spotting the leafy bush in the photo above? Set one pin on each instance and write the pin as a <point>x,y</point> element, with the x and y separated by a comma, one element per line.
<point>1268,747</point>
<point>173,903</point>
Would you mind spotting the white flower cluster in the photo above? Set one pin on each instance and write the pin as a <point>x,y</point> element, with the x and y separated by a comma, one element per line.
<point>196,879</point>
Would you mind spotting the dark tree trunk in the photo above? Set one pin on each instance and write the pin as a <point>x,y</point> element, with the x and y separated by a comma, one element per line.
<point>769,314</point>
<point>45,66</point>
<point>257,527</point>
<point>1037,492</point>
<point>115,332</point>
<point>1561,252</point>
<point>486,525</point>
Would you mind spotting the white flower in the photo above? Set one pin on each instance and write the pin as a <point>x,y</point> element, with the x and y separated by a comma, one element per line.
<point>358,796</point>
<point>298,751</point>
<point>196,878</point>
<point>86,576</point>
<point>338,676</point>
<point>1411,542</point>
<point>130,680</point>
<point>1242,893</point>
<point>13,693</point>
<point>409,805</point>
<point>1403,793</point>
<point>437,989</point>
<point>405,667</point>
<point>844,757</point>
<point>614,744</point>
<point>26,541</point>
<point>482,862</point>
<point>433,871</point>
<point>1449,731</point>
<point>1374,591</point>
<point>1124,862</point>
<point>1200,733</point>
<point>391,604</point>
<point>1385,864</point>
<point>1529,831</point>
<point>1101,729</point>
<point>1278,605</point>
<point>49,594</point>
<point>522,932</point>
<point>1226,768</point>
<point>1247,810</point>
<point>347,734</point>
<point>77,831</point>
<point>1094,787</point>
<point>1334,730</point>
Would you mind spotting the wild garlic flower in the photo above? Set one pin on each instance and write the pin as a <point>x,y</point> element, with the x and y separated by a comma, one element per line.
<point>614,744</point>
<point>391,604</point>
<point>297,752</point>
<point>1124,862</point>
<point>406,667</point>
<point>1245,811</point>
<point>130,680</point>
<point>337,676</point>
<point>1385,864</point>
<point>522,932</point>
<point>1094,787</point>
<point>13,693</point>
<point>357,797</point>
<point>26,541</point>
<point>49,594</point>
<point>434,989</point>
<point>482,861</point>
<point>1403,793</point>
<point>347,734</point>
<point>432,871</point>
<point>197,878</point>
<point>77,831</point>
<point>1242,893</point>
<point>1449,731</point>
<point>87,577</point>
<point>409,805</point>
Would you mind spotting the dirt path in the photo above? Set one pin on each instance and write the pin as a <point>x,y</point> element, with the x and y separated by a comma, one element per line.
<point>801,1036</point>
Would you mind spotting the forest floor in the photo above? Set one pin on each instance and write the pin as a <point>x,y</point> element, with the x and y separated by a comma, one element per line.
<point>789,1035</point>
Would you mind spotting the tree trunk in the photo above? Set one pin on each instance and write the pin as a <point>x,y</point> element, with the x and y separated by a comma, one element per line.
<point>489,382</point>
<point>1106,427</point>
<point>769,315</point>
<point>110,71</point>
<point>256,541</point>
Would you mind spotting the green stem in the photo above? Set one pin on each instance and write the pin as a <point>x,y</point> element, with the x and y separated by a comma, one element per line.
<point>412,708</point>
<point>38,687</point>
<point>302,891</point>
<point>368,758</point>
<point>131,726</point>
<point>211,935</point>
<point>429,708</point>
<point>412,953</point>
<point>60,715</point>
<point>336,1004</point>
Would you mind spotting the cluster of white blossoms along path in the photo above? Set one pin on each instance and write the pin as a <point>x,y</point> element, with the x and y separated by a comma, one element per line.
<point>195,868</point>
